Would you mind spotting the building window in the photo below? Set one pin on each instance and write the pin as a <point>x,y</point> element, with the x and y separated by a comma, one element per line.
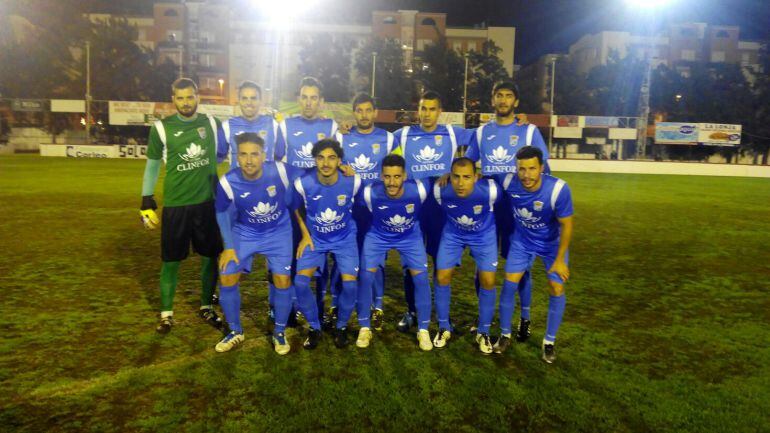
<point>684,71</point>
<point>388,20</point>
<point>688,55</point>
<point>173,36</point>
<point>687,32</point>
<point>170,13</point>
<point>717,56</point>
<point>428,22</point>
<point>723,34</point>
<point>745,59</point>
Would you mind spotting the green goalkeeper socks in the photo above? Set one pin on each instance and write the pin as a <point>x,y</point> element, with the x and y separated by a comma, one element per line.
<point>208,279</point>
<point>168,278</point>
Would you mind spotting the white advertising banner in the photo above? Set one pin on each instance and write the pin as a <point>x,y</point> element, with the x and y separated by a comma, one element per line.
<point>127,151</point>
<point>144,113</point>
<point>719,134</point>
<point>68,106</point>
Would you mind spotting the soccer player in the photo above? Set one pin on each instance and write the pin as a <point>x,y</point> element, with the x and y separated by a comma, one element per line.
<point>496,144</point>
<point>469,207</point>
<point>395,204</point>
<point>324,215</point>
<point>542,208</point>
<point>250,103</point>
<point>260,194</point>
<point>364,147</point>
<point>428,150</point>
<point>187,143</point>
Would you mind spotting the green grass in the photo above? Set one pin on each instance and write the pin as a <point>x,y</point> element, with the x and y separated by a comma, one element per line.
<point>666,327</point>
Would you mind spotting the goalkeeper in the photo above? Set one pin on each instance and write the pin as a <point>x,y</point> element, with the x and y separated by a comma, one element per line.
<point>187,143</point>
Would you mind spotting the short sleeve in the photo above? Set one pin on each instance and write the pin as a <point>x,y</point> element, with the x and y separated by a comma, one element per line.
<point>563,207</point>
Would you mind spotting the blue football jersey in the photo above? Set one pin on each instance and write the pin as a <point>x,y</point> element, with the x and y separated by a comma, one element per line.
<point>496,146</point>
<point>264,125</point>
<point>297,138</point>
<point>262,205</point>
<point>395,218</point>
<point>536,213</point>
<point>328,208</point>
<point>472,214</point>
<point>364,152</point>
<point>430,154</point>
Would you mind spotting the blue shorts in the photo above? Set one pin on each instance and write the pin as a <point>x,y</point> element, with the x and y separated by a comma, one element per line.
<point>483,246</point>
<point>345,254</point>
<point>521,259</point>
<point>411,249</point>
<point>273,246</point>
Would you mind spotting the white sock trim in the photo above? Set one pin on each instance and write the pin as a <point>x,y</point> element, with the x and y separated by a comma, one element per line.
<point>164,314</point>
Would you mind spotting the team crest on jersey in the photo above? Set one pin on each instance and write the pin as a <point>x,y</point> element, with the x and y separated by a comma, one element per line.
<point>513,140</point>
<point>410,208</point>
<point>202,133</point>
<point>376,148</point>
<point>477,209</point>
<point>538,205</point>
<point>320,135</point>
<point>438,139</point>
<point>263,133</point>
<point>341,199</point>
<point>271,191</point>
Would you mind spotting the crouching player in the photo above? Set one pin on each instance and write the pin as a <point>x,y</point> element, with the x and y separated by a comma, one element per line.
<point>542,208</point>
<point>260,195</point>
<point>469,208</point>
<point>395,204</point>
<point>324,201</point>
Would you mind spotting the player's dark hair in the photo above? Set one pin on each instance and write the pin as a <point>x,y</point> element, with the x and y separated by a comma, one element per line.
<point>528,152</point>
<point>184,83</point>
<point>506,85</point>
<point>327,143</point>
<point>431,95</point>
<point>312,82</point>
<point>462,162</point>
<point>363,98</point>
<point>248,84</point>
<point>393,160</point>
<point>249,137</point>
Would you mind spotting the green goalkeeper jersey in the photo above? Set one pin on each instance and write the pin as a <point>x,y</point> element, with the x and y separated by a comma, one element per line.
<point>189,150</point>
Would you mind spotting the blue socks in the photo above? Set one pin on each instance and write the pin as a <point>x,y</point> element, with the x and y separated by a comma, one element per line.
<point>347,300</point>
<point>556,306</point>
<point>230,300</point>
<point>422,299</point>
<point>443,295</point>
<point>507,304</point>
<point>306,300</point>
<point>409,291</point>
<point>378,289</point>
<point>486,309</point>
<point>282,305</point>
<point>525,294</point>
<point>363,306</point>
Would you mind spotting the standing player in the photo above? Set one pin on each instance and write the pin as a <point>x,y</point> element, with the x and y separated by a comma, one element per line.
<point>363,148</point>
<point>250,103</point>
<point>260,194</point>
<point>542,207</point>
<point>187,143</point>
<point>469,208</point>
<point>428,150</point>
<point>496,144</point>
<point>395,205</point>
<point>324,215</point>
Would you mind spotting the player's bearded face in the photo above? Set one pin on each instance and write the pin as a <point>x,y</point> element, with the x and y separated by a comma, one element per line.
<point>186,101</point>
<point>430,109</point>
<point>393,177</point>
<point>463,178</point>
<point>529,172</point>
<point>327,162</point>
<point>365,114</point>
<point>251,157</point>
<point>250,102</point>
<point>310,101</point>
<point>505,102</point>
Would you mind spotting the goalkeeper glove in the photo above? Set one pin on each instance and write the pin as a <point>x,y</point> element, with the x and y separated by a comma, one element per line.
<point>147,212</point>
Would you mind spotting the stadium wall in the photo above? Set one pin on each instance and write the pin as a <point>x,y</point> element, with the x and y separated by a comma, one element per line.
<point>658,167</point>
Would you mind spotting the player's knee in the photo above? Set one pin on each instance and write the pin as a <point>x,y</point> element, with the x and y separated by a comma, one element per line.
<point>229,279</point>
<point>514,278</point>
<point>281,281</point>
<point>555,289</point>
<point>372,270</point>
<point>307,272</point>
<point>487,280</point>
<point>444,276</point>
<point>348,277</point>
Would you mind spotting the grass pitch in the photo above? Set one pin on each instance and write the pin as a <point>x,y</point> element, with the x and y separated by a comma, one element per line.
<point>666,327</point>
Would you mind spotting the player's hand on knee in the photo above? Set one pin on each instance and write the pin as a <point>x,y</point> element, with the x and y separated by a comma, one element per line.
<point>561,269</point>
<point>345,126</point>
<point>443,180</point>
<point>304,243</point>
<point>347,170</point>
<point>147,212</point>
<point>226,257</point>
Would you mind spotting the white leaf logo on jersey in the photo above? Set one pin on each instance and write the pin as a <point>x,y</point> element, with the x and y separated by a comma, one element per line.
<point>328,217</point>
<point>362,163</point>
<point>263,209</point>
<point>500,156</point>
<point>306,151</point>
<point>526,215</point>
<point>466,222</point>
<point>399,223</point>
<point>193,152</point>
<point>428,155</point>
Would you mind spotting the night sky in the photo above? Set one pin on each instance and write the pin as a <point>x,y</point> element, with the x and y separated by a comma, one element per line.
<point>542,26</point>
